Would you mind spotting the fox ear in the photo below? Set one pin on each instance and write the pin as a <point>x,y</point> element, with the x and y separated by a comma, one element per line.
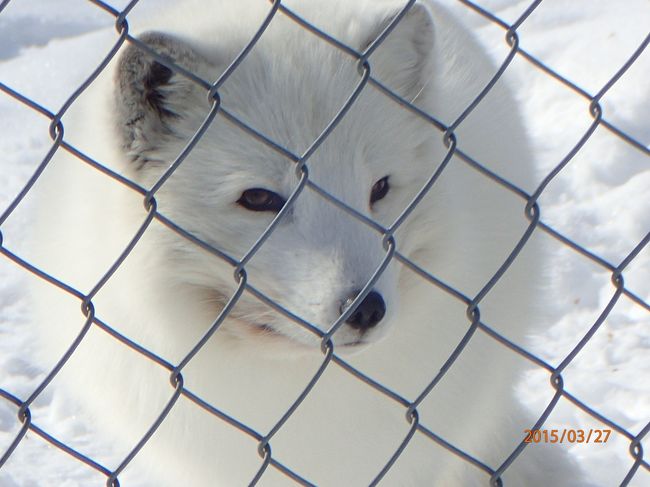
<point>403,60</point>
<point>151,97</point>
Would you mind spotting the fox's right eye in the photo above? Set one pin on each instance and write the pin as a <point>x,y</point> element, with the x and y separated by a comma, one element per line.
<point>260,199</point>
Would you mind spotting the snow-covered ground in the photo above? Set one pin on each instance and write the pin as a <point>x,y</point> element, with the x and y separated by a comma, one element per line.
<point>600,200</point>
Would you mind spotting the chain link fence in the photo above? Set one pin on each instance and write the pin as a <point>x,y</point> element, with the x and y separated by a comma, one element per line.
<point>511,31</point>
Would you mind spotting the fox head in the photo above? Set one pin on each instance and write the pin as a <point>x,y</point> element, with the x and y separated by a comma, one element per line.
<point>231,186</point>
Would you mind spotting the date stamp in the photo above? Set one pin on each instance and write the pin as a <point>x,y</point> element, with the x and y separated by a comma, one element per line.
<point>567,436</point>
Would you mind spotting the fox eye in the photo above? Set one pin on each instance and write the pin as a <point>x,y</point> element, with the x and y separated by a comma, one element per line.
<point>379,190</point>
<point>260,199</point>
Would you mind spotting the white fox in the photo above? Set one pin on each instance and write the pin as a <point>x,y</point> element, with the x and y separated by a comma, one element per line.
<point>136,119</point>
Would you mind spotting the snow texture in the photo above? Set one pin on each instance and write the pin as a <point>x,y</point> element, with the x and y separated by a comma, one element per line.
<point>599,200</point>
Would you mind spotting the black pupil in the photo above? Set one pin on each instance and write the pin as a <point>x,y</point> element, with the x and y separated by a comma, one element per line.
<point>379,190</point>
<point>259,199</point>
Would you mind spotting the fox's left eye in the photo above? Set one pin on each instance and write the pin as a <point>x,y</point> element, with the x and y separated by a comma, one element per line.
<point>379,190</point>
<point>260,199</point>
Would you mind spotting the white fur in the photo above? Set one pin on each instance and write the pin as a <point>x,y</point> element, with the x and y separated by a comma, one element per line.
<point>168,292</point>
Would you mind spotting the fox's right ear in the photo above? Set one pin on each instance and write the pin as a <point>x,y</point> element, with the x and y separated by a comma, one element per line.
<point>150,97</point>
<point>403,60</point>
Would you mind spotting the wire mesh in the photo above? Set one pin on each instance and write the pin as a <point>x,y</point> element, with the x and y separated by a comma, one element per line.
<point>330,358</point>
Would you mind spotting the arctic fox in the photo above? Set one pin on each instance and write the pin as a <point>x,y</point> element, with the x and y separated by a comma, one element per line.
<point>372,406</point>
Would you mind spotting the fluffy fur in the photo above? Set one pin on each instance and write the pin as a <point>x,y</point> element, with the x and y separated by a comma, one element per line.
<point>138,117</point>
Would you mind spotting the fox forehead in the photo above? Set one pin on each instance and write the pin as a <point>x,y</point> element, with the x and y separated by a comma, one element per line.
<point>294,109</point>
<point>356,153</point>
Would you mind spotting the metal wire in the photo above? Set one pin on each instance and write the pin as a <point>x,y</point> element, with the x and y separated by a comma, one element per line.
<point>448,135</point>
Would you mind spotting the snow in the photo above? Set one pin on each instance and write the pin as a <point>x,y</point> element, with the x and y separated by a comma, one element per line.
<point>599,201</point>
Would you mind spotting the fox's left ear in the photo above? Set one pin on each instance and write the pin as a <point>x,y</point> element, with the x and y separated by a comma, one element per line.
<point>403,60</point>
<point>150,98</point>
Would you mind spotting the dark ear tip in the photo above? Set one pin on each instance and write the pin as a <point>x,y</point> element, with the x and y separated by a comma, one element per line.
<point>157,75</point>
<point>136,61</point>
<point>141,78</point>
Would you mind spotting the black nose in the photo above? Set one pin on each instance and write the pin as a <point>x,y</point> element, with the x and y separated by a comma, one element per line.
<point>369,312</point>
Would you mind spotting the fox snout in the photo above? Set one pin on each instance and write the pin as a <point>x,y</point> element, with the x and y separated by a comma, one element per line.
<point>368,313</point>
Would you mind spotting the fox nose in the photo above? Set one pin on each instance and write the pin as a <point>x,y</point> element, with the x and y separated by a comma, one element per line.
<point>368,313</point>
